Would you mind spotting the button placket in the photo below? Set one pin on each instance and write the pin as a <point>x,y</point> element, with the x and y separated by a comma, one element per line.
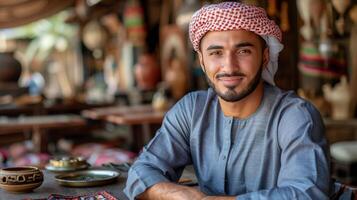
<point>225,151</point>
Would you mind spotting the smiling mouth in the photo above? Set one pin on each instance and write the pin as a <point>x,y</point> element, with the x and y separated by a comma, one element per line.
<point>231,81</point>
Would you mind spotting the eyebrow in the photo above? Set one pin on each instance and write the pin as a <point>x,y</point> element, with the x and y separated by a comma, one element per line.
<point>240,45</point>
<point>244,44</point>
<point>212,47</point>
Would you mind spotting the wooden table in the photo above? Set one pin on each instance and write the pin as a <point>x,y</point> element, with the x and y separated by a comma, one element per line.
<point>50,186</point>
<point>45,108</point>
<point>343,123</point>
<point>15,110</point>
<point>39,126</point>
<point>143,120</point>
<point>102,113</point>
<point>340,130</point>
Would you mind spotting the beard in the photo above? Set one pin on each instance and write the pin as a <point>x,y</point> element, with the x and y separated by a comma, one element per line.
<point>231,95</point>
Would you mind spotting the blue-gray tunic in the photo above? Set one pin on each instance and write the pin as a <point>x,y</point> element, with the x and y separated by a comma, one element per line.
<point>279,152</point>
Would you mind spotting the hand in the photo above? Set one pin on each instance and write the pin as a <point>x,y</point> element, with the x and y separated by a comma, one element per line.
<point>171,191</point>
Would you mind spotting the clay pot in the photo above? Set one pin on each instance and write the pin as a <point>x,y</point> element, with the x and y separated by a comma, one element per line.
<point>176,77</point>
<point>341,5</point>
<point>317,9</point>
<point>147,72</point>
<point>10,68</point>
<point>304,11</point>
<point>353,14</point>
<point>339,96</point>
<point>94,35</point>
<point>20,179</point>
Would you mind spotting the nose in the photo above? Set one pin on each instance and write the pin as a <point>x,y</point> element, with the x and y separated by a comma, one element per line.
<point>230,62</point>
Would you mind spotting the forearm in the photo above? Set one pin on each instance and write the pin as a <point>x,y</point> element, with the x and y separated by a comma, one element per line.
<point>172,191</point>
<point>219,198</point>
<point>286,192</point>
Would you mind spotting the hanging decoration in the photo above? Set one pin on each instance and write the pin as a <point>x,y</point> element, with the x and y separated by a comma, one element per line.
<point>174,60</point>
<point>317,9</point>
<point>340,99</point>
<point>277,11</point>
<point>134,22</point>
<point>284,21</point>
<point>322,57</point>
<point>185,13</point>
<point>147,72</point>
<point>94,37</point>
<point>315,64</point>
<point>272,8</point>
<point>341,7</point>
<point>306,30</point>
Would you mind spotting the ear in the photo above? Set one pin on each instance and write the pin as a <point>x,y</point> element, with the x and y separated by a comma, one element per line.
<point>200,58</point>
<point>266,57</point>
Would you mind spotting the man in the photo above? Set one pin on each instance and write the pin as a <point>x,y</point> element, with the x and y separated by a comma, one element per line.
<point>246,138</point>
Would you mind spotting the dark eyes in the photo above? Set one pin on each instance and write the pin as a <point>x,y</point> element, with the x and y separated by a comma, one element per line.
<point>244,51</point>
<point>239,52</point>
<point>215,53</point>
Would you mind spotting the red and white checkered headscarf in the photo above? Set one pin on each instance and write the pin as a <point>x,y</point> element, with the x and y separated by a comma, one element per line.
<point>235,16</point>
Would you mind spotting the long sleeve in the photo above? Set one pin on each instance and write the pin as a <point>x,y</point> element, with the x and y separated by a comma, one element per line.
<point>304,172</point>
<point>280,152</point>
<point>165,157</point>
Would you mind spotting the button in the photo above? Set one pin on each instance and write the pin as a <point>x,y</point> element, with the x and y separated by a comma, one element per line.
<point>242,125</point>
<point>224,157</point>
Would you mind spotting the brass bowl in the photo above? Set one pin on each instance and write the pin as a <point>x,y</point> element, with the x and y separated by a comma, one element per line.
<point>20,179</point>
<point>65,164</point>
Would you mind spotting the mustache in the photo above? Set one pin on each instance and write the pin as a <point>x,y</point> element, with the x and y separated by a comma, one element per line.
<point>229,74</point>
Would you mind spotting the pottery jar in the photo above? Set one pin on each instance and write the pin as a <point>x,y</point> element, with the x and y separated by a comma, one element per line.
<point>147,72</point>
<point>10,68</point>
<point>20,179</point>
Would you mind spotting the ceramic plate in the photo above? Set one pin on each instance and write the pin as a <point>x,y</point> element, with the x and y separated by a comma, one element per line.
<point>87,178</point>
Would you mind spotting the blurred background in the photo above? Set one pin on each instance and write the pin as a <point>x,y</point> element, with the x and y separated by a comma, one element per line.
<point>94,78</point>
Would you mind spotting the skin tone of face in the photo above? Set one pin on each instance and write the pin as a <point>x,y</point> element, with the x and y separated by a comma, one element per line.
<point>233,62</point>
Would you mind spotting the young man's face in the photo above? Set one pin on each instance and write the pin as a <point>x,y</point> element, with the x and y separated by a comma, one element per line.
<point>233,62</point>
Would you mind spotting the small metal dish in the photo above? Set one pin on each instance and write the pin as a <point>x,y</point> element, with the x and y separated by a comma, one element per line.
<point>66,164</point>
<point>87,178</point>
